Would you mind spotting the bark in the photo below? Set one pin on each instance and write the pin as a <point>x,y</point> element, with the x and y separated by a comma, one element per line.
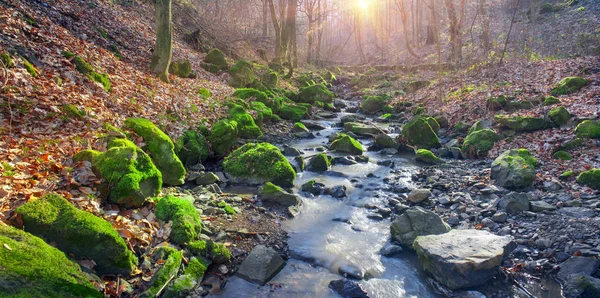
<point>161,57</point>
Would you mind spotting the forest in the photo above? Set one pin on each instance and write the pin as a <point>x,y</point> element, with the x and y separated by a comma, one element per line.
<point>300,148</point>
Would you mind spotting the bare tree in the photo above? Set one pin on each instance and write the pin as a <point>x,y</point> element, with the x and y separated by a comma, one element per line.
<point>161,57</point>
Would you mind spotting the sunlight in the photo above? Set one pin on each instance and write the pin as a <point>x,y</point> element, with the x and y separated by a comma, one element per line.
<point>363,4</point>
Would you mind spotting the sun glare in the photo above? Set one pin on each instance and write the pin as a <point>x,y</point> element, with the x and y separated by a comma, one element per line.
<point>362,4</point>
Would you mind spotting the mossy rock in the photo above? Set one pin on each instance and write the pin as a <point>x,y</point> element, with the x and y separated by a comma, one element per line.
<point>361,129</point>
<point>79,233</point>
<point>186,222</point>
<point>566,175</point>
<point>182,69</point>
<point>32,70</point>
<point>523,123</point>
<point>217,252</point>
<point>590,178</point>
<point>263,113</point>
<point>515,105</point>
<point>442,121</point>
<point>319,163</point>
<point>559,115</point>
<point>130,173</point>
<point>261,162</point>
<point>223,136</point>
<point>164,274</point>
<point>434,124</point>
<point>496,103</point>
<point>192,148</point>
<point>461,127</point>
<point>293,112</point>
<point>242,74</point>
<point>385,141</point>
<point>588,129</point>
<point>479,143</point>
<point>246,93</point>
<point>346,144</point>
<point>514,169</point>
<point>7,60</point>
<point>245,123</point>
<point>479,125</point>
<point>73,112</point>
<point>86,155</point>
<point>216,57</point>
<point>388,109</point>
<point>550,100</point>
<point>568,85</point>
<point>299,127</point>
<point>313,93</point>
<point>426,156</point>
<point>419,133</point>
<point>269,79</point>
<point>210,67</point>
<point>418,111</point>
<point>373,104</point>
<point>161,150</point>
<point>31,268</point>
<point>562,155</point>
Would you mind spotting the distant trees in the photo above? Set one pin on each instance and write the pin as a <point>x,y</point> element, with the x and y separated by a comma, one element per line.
<point>284,24</point>
<point>161,57</point>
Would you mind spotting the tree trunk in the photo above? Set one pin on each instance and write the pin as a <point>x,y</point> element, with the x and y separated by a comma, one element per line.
<point>485,26</point>
<point>265,13</point>
<point>161,57</point>
<point>277,27</point>
<point>455,18</point>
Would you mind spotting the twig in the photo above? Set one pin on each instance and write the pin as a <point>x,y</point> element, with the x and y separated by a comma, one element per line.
<point>517,283</point>
<point>164,286</point>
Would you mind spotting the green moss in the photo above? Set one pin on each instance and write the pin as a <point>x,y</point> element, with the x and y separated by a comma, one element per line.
<point>433,123</point>
<point>164,274</point>
<point>521,164</point>
<point>346,144</point>
<point>79,233</point>
<point>293,112</point>
<point>216,57</point>
<point>31,268</point>
<point>361,129</point>
<point>479,143</point>
<point>245,124</point>
<point>210,67</point>
<point>86,69</point>
<point>115,50</point>
<point>313,93</point>
<point>319,163</point>
<point>562,155</point>
<point>386,116</point>
<point>516,105</point>
<point>388,109</point>
<point>102,79</point>
<point>186,222</point>
<point>551,100</point>
<point>419,133</point>
<point>374,104</point>
<point>299,127</point>
<point>200,248</point>
<point>192,148</point>
<point>461,127</point>
<point>427,156</point>
<point>242,74</point>
<point>219,253</point>
<point>223,136</point>
<point>228,209</point>
<point>129,172</point>
<point>82,66</point>
<point>73,112</point>
<point>245,93</point>
<point>182,69</point>
<point>568,85</point>
<point>566,175</point>
<point>103,33</point>
<point>196,268</point>
<point>269,79</point>
<point>30,68</point>
<point>263,113</point>
<point>7,60</point>
<point>261,161</point>
<point>86,155</point>
<point>205,93</point>
<point>161,150</point>
<point>523,123</point>
<point>590,178</point>
<point>588,129</point>
<point>559,115</point>
<point>419,111</point>
<point>309,79</point>
<point>477,126</point>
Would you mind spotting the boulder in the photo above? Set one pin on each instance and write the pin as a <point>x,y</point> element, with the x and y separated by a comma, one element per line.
<point>590,178</point>
<point>577,264</point>
<point>462,258</point>
<point>581,285</point>
<point>414,222</point>
<point>261,265</point>
<point>78,233</point>
<point>274,194</point>
<point>541,206</point>
<point>479,142</point>
<point>426,156</point>
<point>257,163</point>
<point>314,93</point>
<point>246,127</point>
<point>514,169</point>
<point>242,74</point>
<point>577,212</point>
<point>223,136</point>
<point>373,104</point>
<point>361,129</point>
<point>207,178</point>
<point>160,148</point>
<point>514,202</point>
<point>347,288</point>
<point>299,127</point>
<point>418,195</point>
<point>419,133</point>
<point>186,221</point>
<point>523,123</point>
<point>559,115</point>
<point>216,57</point>
<point>562,155</point>
<point>346,144</point>
<point>313,187</point>
<point>319,163</point>
<point>293,112</point>
<point>192,148</point>
<point>550,100</point>
<point>568,85</point>
<point>385,141</point>
<point>588,129</point>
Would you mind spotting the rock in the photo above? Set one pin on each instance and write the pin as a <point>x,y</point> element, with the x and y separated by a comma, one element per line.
<point>419,195</point>
<point>242,74</point>
<point>581,285</point>
<point>514,202</point>
<point>523,123</point>
<point>186,222</point>
<point>312,125</point>
<point>389,250</point>
<point>338,191</point>
<point>260,162</point>
<point>314,93</point>
<point>419,133</point>
<point>426,156</point>
<point>388,151</point>
<point>352,118</point>
<point>361,129</point>
<point>160,148</point>
<point>575,265</point>
<point>347,288</point>
<point>216,57</point>
<point>541,206</point>
<point>261,265</point>
<point>78,233</point>
<point>343,160</point>
<point>568,85</point>
<point>290,151</point>
<point>223,136</point>
<point>275,194</point>
<point>172,258</point>
<point>590,178</point>
<point>346,144</point>
<point>299,128</point>
<point>319,163</point>
<point>577,212</point>
<point>293,112</point>
<point>373,104</point>
<point>414,222</point>
<point>462,258</point>
<point>350,270</point>
<point>478,143</point>
<point>207,178</point>
<point>313,187</point>
<point>500,217</point>
<point>559,115</point>
<point>385,141</point>
<point>514,169</point>
<point>246,127</point>
<point>192,148</point>
<point>32,268</point>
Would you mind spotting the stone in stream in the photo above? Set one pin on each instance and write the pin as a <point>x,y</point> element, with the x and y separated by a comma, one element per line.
<point>351,270</point>
<point>343,160</point>
<point>319,163</point>
<point>261,265</point>
<point>313,187</point>
<point>338,191</point>
<point>514,202</point>
<point>274,194</point>
<point>577,212</point>
<point>383,141</point>
<point>207,178</point>
<point>291,151</point>
<point>514,169</point>
<point>346,144</point>
<point>312,125</point>
<point>352,118</point>
<point>581,285</point>
<point>418,195</point>
<point>361,129</point>
<point>414,222</point>
<point>576,265</point>
<point>462,258</point>
<point>390,250</point>
<point>347,288</point>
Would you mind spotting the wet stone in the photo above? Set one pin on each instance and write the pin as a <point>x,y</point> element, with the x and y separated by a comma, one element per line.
<point>347,288</point>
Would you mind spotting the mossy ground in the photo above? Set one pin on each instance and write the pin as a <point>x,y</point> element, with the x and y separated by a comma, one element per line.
<point>86,69</point>
<point>262,161</point>
<point>7,60</point>
<point>186,222</point>
<point>32,70</point>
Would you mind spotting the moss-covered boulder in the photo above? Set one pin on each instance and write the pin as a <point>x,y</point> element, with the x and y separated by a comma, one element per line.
<point>568,85</point>
<point>216,57</point>
<point>562,155</point>
<point>346,144</point>
<point>31,268</point>
<point>523,123</point>
<point>246,93</point>
<point>313,93</point>
<point>515,105</point>
<point>559,115</point>
<point>588,129</point>
<point>426,156</point>
<point>479,143</point>
<point>192,148</point>
<point>433,123</point>
<point>245,123</point>
<point>169,269</point>
<point>496,103</point>
<point>383,141</point>
<point>319,163</point>
<point>223,136</point>
<point>550,100</point>
<point>566,175</point>
<point>210,67</point>
<point>129,173</point>
<point>479,125</point>
<point>419,133</point>
<point>293,112</point>
<point>217,252</point>
<point>299,128</point>
<point>361,129</point>
<point>182,69</point>
<point>263,113</point>
<point>269,79</point>
<point>186,222</point>
<point>373,104</point>
<point>161,149</point>
<point>514,169</point>
<point>590,178</point>
<point>86,155</point>
<point>271,193</point>
<point>260,163</point>
<point>79,233</point>
<point>183,285</point>
<point>242,74</point>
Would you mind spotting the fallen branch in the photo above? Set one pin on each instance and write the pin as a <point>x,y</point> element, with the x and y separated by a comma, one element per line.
<point>164,286</point>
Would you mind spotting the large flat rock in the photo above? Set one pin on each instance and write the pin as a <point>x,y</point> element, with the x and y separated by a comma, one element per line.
<point>462,258</point>
<point>414,222</point>
<point>261,265</point>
